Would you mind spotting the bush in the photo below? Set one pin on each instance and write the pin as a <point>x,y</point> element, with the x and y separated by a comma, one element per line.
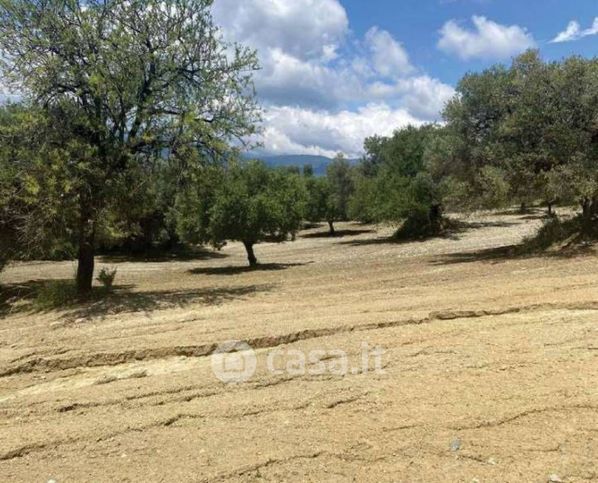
<point>106,277</point>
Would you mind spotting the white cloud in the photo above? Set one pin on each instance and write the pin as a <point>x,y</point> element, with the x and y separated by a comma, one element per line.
<point>389,58</point>
<point>304,131</point>
<point>323,90</point>
<point>423,96</point>
<point>306,29</point>
<point>489,40</point>
<point>570,33</point>
<point>574,32</point>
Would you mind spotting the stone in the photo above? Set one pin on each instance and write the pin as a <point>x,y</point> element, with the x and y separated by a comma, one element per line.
<point>455,444</point>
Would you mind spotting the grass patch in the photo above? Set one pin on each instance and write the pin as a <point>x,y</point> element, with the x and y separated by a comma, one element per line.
<point>62,294</point>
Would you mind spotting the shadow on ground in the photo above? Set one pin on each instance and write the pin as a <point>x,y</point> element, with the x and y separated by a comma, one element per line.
<point>511,252</point>
<point>337,234</point>
<point>163,256</point>
<point>232,270</point>
<point>46,296</point>
<point>454,231</point>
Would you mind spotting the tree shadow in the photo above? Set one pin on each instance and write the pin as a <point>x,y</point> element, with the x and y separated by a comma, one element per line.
<point>311,225</point>
<point>32,297</point>
<point>161,256</point>
<point>492,255</point>
<point>510,252</point>
<point>337,233</point>
<point>453,231</point>
<point>235,270</point>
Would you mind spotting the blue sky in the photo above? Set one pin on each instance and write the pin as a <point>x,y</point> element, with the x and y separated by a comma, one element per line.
<point>417,22</point>
<point>337,71</point>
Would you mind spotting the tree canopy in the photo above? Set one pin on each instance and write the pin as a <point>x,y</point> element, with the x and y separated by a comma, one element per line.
<point>129,84</point>
<point>246,202</point>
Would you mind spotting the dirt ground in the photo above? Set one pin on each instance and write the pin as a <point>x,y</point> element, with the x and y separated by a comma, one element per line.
<point>489,369</point>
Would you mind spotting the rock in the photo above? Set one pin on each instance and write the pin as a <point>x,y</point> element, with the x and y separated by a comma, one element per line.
<point>455,444</point>
<point>554,479</point>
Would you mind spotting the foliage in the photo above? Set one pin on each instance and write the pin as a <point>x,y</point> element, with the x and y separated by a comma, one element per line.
<point>405,186</point>
<point>106,277</point>
<point>247,202</point>
<point>329,198</point>
<point>127,85</point>
<point>528,132</point>
<point>56,294</point>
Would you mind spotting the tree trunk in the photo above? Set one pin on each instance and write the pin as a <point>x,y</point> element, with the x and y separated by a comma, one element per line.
<point>435,215</point>
<point>523,207</point>
<point>589,210</point>
<point>585,207</point>
<point>250,254</point>
<point>85,264</point>
<point>550,212</point>
<point>331,225</point>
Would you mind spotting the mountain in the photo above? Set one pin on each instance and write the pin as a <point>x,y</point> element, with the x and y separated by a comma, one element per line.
<point>318,163</point>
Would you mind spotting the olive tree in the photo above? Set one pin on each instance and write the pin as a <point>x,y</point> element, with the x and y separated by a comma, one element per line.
<point>246,202</point>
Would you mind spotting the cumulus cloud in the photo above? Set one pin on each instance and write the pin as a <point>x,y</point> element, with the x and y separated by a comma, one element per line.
<point>575,32</point>
<point>304,131</point>
<point>296,41</point>
<point>389,58</point>
<point>323,90</point>
<point>306,29</point>
<point>423,96</point>
<point>488,39</point>
<point>285,79</point>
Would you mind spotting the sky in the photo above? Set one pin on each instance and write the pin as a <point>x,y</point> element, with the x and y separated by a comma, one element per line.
<point>336,71</point>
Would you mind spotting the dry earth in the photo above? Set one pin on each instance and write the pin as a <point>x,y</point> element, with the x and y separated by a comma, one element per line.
<point>490,369</point>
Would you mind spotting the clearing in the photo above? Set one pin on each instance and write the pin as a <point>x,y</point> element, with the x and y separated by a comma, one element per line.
<point>490,369</point>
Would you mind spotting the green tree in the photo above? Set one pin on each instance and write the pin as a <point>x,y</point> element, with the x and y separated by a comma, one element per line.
<point>247,202</point>
<point>36,204</point>
<point>404,189</point>
<point>320,205</point>
<point>525,123</point>
<point>129,83</point>
<point>339,187</point>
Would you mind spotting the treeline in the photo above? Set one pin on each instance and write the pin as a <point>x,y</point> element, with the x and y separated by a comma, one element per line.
<point>123,140</point>
<point>522,134</point>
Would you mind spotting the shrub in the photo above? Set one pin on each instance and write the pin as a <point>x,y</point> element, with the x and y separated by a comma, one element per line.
<point>106,277</point>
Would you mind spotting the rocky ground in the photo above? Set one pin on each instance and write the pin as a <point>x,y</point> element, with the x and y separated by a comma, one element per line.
<point>488,364</point>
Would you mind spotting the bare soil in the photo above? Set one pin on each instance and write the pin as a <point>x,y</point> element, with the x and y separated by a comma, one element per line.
<point>490,364</point>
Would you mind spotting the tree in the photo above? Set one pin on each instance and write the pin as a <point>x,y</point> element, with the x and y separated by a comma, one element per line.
<point>340,188</point>
<point>319,205</point>
<point>528,124</point>
<point>402,188</point>
<point>247,202</point>
<point>130,82</point>
<point>35,187</point>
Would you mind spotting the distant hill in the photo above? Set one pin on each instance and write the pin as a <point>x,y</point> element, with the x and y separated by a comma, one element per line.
<point>318,163</point>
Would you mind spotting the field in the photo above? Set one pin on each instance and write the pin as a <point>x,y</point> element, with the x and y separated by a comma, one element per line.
<point>489,370</point>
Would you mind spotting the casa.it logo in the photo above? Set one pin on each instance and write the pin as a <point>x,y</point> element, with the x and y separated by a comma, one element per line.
<point>234,362</point>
